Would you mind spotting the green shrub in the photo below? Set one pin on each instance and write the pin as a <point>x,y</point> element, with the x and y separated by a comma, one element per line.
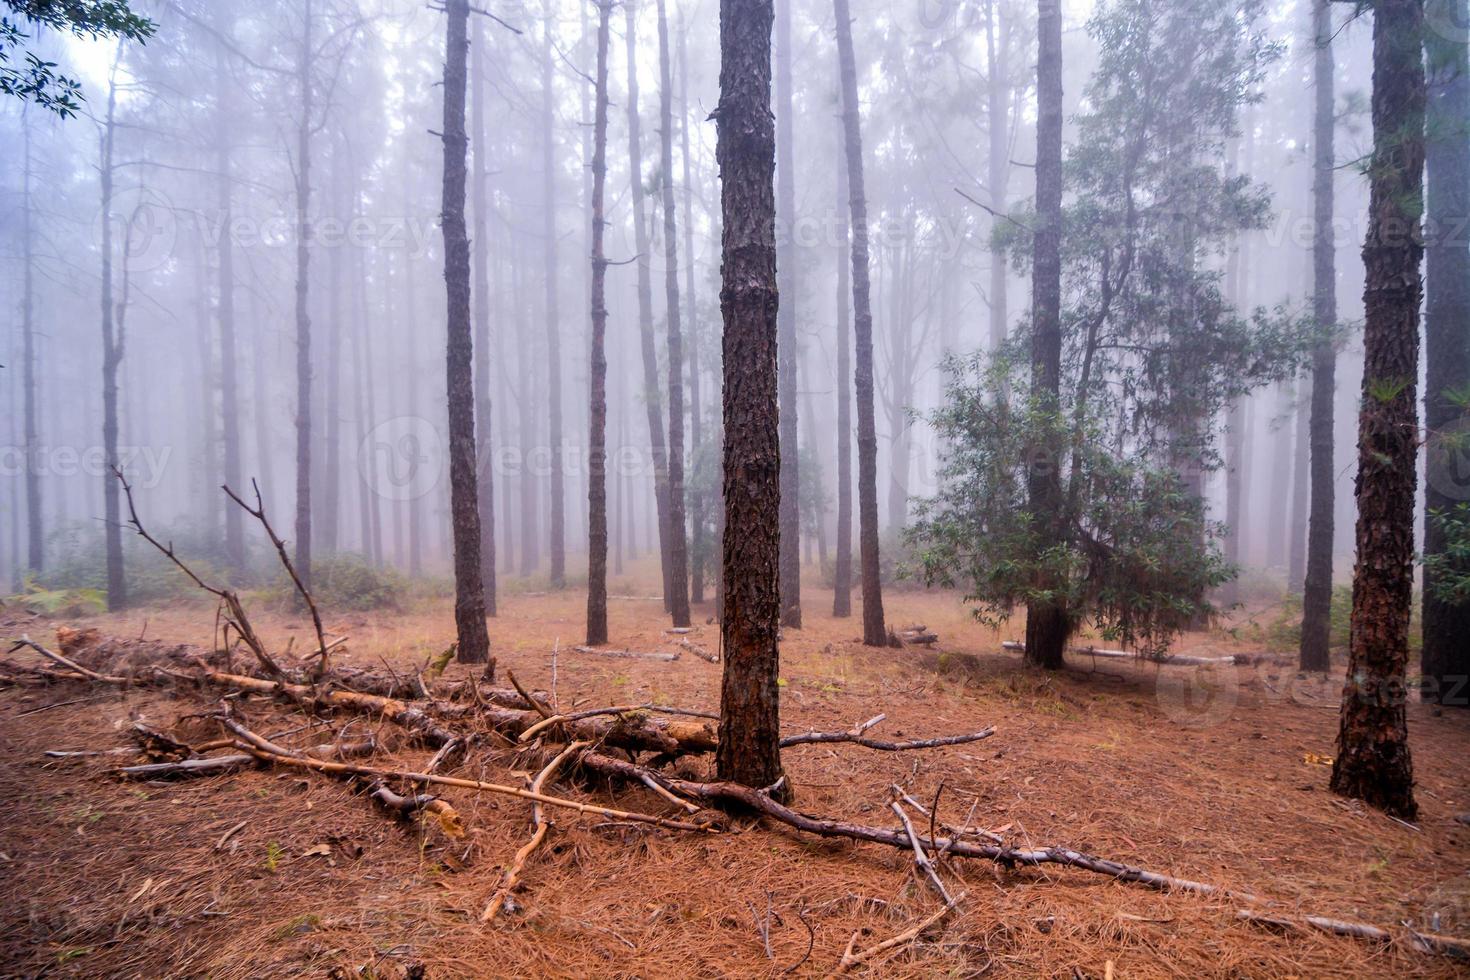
<point>346,582</point>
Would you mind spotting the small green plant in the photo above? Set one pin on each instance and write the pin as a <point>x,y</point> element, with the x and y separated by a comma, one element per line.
<point>273,854</point>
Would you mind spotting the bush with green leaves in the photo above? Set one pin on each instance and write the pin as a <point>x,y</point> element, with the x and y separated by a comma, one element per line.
<point>347,582</point>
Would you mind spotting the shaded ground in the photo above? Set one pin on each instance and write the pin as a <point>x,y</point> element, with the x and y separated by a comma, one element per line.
<point>1213,776</point>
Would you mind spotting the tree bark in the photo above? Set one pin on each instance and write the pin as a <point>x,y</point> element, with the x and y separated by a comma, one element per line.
<point>786,272</point>
<point>597,436</point>
<point>874,633</point>
<point>842,567</point>
<point>112,352</point>
<point>469,591</point>
<point>1445,660</point>
<point>697,502</point>
<point>749,738</point>
<point>35,541</point>
<point>1314,653</point>
<point>328,524</point>
<point>302,162</point>
<point>553,317</point>
<point>1048,623</point>
<point>678,578</point>
<point>997,91</point>
<point>1373,761</point>
<point>480,253</point>
<point>1296,554</point>
<point>653,404</point>
<point>229,369</point>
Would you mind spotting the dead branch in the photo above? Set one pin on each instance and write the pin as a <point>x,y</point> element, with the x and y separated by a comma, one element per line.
<point>921,860</point>
<point>627,654</point>
<point>541,709</point>
<point>189,767</point>
<point>882,745</point>
<point>619,710</point>
<point>26,641</point>
<point>1175,660</point>
<point>852,958</point>
<point>512,873</point>
<point>699,651</point>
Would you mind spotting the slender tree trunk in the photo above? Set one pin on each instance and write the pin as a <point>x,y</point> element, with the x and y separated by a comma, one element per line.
<point>678,578</point>
<point>553,317</point>
<point>652,401</point>
<point>997,90</point>
<point>480,252</point>
<point>749,749</point>
<point>414,504</point>
<point>329,511</point>
<point>1317,595</point>
<point>842,570</point>
<point>1048,624</point>
<point>112,352</point>
<point>1296,561</point>
<point>265,442</point>
<point>303,318</point>
<point>697,502</point>
<point>35,540</point>
<point>874,633</point>
<point>597,435</point>
<point>1373,762</point>
<point>1446,656</point>
<point>469,591</point>
<point>229,370</point>
<point>786,271</point>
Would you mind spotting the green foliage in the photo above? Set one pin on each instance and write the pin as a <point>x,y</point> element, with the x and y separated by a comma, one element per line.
<point>1449,570</point>
<point>36,80</point>
<point>80,564</point>
<point>61,602</point>
<point>346,582</point>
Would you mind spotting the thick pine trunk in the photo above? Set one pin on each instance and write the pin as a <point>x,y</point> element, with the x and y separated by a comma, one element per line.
<point>652,402</point>
<point>842,568</point>
<point>1446,656</point>
<point>303,318</point>
<point>678,578</point>
<point>749,738</point>
<point>597,435</point>
<point>480,253</point>
<point>697,503</point>
<point>469,592</point>
<point>1373,762</point>
<point>874,633</point>
<point>1317,594</point>
<point>112,344</point>
<point>1048,624</point>
<point>786,273</point>
<point>557,490</point>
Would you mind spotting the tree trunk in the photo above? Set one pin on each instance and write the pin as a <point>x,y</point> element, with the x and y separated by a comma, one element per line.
<point>842,569</point>
<point>469,591</point>
<point>1446,656</point>
<point>749,749</point>
<point>529,411</point>
<point>651,400</point>
<point>997,41</point>
<point>1317,594</point>
<point>678,578</point>
<point>1048,624</point>
<point>697,502</point>
<point>303,318</point>
<point>786,271</point>
<point>1373,762</point>
<point>553,317</point>
<point>229,371</point>
<point>480,253</point>
<point>35,541</point>
<point>1296,563</point>
<point>112,352</point>
<point>597,435</point>
<point>328,525</point>
<point>867,437</point>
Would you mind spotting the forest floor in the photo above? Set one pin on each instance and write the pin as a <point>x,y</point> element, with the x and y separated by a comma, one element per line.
<point>1217,778</point>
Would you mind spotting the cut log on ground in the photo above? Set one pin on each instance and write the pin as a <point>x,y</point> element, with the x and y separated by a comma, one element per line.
<point>627,654</point>
<point>1175,660</point>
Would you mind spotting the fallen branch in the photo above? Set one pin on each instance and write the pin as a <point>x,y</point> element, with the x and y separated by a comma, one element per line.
<point>26,641</point>
<point>699,651</point>
<point>1423,942</point>
<point>852,958</point>
<point>1175,660</point>
<point>619,710</point>
<point>921,860</point>
<point>189,767</point>
<point>627,654</point>
<point>512,874</point>
<point>882,745</point>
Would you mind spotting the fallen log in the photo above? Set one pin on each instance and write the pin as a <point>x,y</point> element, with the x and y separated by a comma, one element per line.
<point>212,766</point>
<point>1173,660</point>
<point>699,651</point>
<point>627,654</point>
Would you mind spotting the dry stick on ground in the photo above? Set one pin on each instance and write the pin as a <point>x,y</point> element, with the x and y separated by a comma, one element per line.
<point>620,709</point>
<point>856,738</point>
<point>627,654</point>
<point>512,873</point>
<point>921,860</point>
<point>852,958</point>
<point>1424,943</point>
<point>236,618</point>
<point>26,641</point>
<point>541,709</point>
<point>212,766</point>
<point>699,651</point>
<point>258,512</point>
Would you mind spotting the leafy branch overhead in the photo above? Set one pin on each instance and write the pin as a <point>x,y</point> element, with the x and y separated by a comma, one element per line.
<point>34,78</point>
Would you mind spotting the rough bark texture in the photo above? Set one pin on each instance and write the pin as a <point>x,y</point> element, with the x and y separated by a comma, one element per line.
<point>652,402</point>
<point>867,436</point>
<point>225,311</point>
<point>698,546</point>
<point>678,597</point>
<point>749,744</point>
<point>1317,593</point>
<point>469,592</point>
<point>480,253</point>
<point>1446,656</point>
<point>112,351</point>
<point>558,488</point>
<point>842,566</point>
<point>1048,624</point>
<point>1372,760</point>
<point>302,558</point>
<point>786,273</point>
<point>597,436</point>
